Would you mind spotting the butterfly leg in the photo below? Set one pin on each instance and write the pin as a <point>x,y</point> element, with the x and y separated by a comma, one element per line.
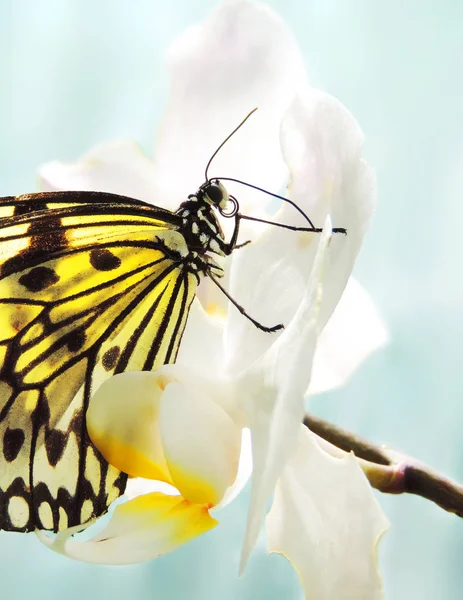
<point>243,311</point>
<point>231,245</point>
<point>243,244</point>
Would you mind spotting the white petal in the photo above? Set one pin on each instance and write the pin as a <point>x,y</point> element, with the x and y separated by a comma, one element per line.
<point>165,425</point>
<point>137,486</point>
<point>326,521</point>
<point>267,281</point>
<point>117,167</point>
<point>201,348</point>
<point>201,444</point>
<point>274,389</point>
<point>322,146</point>
<point>352,334</point>
<point>141,529</point>
<point>244,472</point>
<point>123,423</point>
<point>241,57</point>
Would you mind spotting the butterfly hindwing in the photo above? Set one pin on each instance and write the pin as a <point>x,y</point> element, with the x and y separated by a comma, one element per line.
<point>88,288</point>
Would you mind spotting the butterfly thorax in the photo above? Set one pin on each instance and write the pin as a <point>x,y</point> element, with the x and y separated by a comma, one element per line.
<point>202,231</point>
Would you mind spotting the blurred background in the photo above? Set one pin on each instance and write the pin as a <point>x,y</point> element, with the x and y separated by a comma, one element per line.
<point>77,72</point>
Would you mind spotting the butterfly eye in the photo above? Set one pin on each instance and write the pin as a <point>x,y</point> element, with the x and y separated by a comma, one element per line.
<point>216,194</point>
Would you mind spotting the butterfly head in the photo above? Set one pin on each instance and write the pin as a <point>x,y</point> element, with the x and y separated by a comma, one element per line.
<point>215,194</point>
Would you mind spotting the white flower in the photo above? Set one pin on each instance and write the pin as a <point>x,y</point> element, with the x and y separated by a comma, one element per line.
<point>186,421</point>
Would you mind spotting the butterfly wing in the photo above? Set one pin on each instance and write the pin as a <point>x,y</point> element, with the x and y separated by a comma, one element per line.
<point>90,285</point>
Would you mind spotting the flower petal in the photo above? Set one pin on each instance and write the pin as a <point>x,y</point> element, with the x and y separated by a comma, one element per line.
<point>117,167</point>
<point>322,146</point>
<point>267,282</point>
<point>241,57</point>
<point>201,347</point>
<point>243,474</point>
<point>201,444</point>
<point>352,334</point>
<point>123,423</point>
<point>274,388</point>
<point>137,486</point>
<point>139,530</point>
<point>326,521</point>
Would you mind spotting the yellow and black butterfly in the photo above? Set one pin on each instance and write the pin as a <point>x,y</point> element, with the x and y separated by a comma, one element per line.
<point>91,284</point>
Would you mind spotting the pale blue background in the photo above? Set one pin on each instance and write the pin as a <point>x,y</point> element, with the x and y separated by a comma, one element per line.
<point>77,72</point>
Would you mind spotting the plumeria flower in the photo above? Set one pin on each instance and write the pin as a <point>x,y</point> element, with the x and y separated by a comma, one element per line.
<point>187,437</point>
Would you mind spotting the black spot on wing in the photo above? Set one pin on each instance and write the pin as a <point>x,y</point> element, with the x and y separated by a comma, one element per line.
<point>23,208</point>
<point>55,443</point>
<point>46,238</point>
<point>38,279</point>
<point>12,443</point>
<point>40,416</point>
<point>103,259</point>
<point>110,357</point>
<point>74,340</point>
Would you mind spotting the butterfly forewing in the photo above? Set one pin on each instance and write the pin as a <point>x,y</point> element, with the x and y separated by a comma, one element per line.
<point>87,289</point>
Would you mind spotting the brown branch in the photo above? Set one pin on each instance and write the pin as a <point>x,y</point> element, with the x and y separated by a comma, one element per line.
<point>389,471</point>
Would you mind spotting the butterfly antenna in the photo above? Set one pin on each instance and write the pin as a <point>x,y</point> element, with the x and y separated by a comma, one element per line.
<point>259,189</point>
<point>290,227</point>
<point>226,140</point>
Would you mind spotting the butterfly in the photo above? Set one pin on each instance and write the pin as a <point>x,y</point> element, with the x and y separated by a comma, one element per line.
<point>91,284</point>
